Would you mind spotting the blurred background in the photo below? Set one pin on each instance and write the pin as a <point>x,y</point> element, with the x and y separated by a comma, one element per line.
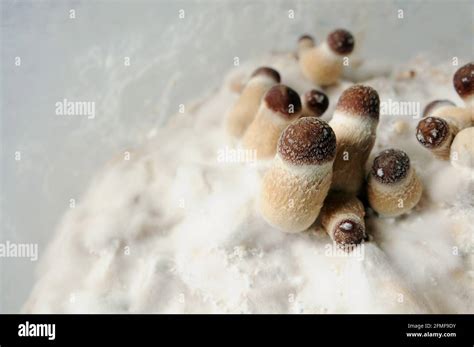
<point>177,51</point>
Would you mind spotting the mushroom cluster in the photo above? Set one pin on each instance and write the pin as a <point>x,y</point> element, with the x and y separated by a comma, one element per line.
<point>317,171</point>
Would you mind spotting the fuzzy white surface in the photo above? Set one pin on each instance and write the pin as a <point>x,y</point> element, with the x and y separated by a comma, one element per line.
<point>174,229</point>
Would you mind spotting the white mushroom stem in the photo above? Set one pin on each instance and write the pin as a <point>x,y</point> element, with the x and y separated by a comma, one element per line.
<point>242,113</point>
<point>292,196</point>
<point>355,139</point>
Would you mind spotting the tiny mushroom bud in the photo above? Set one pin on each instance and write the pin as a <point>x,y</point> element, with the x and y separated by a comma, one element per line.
<point>435,105</point>
<point>315,103</point>
<point>463,82</point>
<point>393,186</point>
<point>436,134</point>
<point>323,64</point>
<point>304,42</point>
<point>342,216</point>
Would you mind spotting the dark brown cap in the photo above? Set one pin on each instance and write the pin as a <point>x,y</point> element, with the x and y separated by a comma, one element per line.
<point>284,100</point>
<point>348,232</point>
<point>360,100</point>
<point>267,71</point>
<point>390,166</point>
<point>341,41</point>
<point>463,80</point>
<point>307,141</point>
<point>306,37</point>
<point>316,101</point>
<point>432,131</point>
<point>433,105</point>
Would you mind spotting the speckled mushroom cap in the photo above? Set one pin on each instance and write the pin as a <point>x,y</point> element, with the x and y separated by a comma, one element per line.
<point>390,166</point>
<point>435,104</point>
<point>341,41</point>
<point>284,100</point>
<point>348,232</point>
<point>269,72</point>
<point>316,101</point>
<point>359,100</point>
<point>307,141</point>
<point>431,132</point>
<point>463,80</point>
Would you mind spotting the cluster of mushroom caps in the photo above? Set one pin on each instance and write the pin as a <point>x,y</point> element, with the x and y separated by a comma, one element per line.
<point>446,130</point>
<point>318,168</point>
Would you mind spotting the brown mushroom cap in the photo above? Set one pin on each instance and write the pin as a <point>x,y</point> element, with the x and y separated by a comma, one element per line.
<point>284,100</point>
<point>316,101</point>
<point>306,37</point>
<point>463,80</point>
<point>307,141</point>
<point>341,41</point>
<point>390,166</point>
<point>432,131</point>
<point>267,71</point>
<point>360,100</point>
<point>348,232</point>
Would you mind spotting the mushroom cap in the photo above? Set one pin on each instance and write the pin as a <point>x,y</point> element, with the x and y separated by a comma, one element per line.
<point>341,41</point>
<point>432,131</point>
<point>433,105</point>
<point>305,42</point>
<point>307,141</point>
<point>267,71</point>
<point>306,37</point>
<point>348,232</point>
<point>283,100</point>
<point>360,100</point>
<point>463,80</point>
<point>316,101</point>
<point>390,166</point>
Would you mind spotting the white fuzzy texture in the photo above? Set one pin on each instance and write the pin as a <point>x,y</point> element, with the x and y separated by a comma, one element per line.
<point>346,226</point>
<point>174,230</point>
<point>280,120</point>
<point>329,52</point>
<point>462,150</point>
<point>469,101</point>
<point>312,172</point>
<point>363,126</point>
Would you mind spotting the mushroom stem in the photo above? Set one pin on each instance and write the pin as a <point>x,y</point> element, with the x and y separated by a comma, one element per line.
<point>323,64</point>
<point>294,188</point>
<point>280,106</point>
<point>393,186</point>
<point>355,124</point>
<point>243,111</point>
